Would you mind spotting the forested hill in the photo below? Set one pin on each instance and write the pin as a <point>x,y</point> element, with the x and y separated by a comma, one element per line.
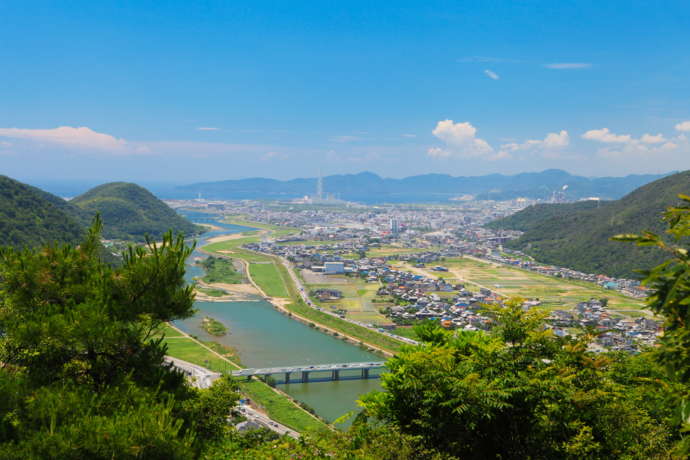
<point>32,217</point>
<point>577,235</point>
<point>130,212</point>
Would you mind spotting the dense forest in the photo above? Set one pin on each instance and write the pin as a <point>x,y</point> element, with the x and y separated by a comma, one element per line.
<point>82,374</point>
<point>130,212</point>
<point>577,235</point>
<point>32,217</point>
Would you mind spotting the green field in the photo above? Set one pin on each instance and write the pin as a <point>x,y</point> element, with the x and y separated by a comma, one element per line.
<point>356,300</point>
<point>269,279</point>
<point>189,350</point>
<point>554,293</point>
<point>276,230</point>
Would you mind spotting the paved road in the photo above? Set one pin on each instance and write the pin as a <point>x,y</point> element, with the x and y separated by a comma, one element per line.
<point>257,417</point>
<point>204,378</point>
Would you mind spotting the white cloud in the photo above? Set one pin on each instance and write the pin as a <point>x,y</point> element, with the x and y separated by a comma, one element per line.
<point>604,135</point>
<point>683,126</point>
<point>491,74</point>
<point>67,136</point>
<point>556,140</point>
<point>552,141</point>
<point>624,145</point>
<point>652,139</point>
<point>460,140</point>
<point>207,128</point>
<point>568,65</point>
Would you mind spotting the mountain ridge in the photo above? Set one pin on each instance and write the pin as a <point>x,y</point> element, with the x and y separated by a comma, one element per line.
<point>369,187</point>
<point>130,212</point>
<point>577,235</point>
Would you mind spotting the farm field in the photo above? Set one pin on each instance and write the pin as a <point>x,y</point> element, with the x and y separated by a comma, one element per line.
<point>554,293</point>
<point>356,300</point>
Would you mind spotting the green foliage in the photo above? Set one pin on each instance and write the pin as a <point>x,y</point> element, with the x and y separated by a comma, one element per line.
<point>670,285</point>
<point>220,270</point>
<point>32,217</point>
<point>131,212</point>
<point>577,235</point>
<point>213,326</point>
<point>521,393</point>
<point>80,374</point>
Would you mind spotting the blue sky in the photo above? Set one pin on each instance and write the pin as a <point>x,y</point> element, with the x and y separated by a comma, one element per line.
<point>188,91</point>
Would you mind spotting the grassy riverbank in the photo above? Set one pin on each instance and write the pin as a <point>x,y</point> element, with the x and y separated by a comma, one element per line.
<point>278,406</point>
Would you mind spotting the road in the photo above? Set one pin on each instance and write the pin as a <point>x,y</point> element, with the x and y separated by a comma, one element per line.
<point>204,378</point>
<point>257,417</point>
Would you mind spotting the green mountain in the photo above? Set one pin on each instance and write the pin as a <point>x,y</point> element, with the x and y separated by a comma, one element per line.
<point>130,212</point>
<point>31,217</point>
<point>577,235</point>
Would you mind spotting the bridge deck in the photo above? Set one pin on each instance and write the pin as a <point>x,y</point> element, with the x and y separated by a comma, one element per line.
<point>308,368</point>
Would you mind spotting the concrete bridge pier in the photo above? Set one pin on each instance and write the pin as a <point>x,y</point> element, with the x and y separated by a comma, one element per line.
<point>365,373</point>
<point>335,375</point>
<point>287,377</point>
<point>305,376</point>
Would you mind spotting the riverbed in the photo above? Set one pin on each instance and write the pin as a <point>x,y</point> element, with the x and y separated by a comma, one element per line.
<point>264,337</point>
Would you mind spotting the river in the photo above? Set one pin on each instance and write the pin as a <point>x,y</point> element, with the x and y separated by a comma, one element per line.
<point>263,337</point>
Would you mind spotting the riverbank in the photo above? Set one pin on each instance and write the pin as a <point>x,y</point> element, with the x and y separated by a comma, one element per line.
<point>277,280</point>
<point>268,400</point>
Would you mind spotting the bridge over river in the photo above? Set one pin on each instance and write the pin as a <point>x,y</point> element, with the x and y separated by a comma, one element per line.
<point>326,372</point>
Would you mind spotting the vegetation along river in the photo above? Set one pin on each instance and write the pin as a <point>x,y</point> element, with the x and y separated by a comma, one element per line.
<point>263,337</point>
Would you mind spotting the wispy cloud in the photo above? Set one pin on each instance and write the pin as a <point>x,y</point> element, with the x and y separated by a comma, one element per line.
<point>71,137</point>
<point>568,65</point>
<point>207,128</point>
<point>344,139</point>
<point>491,74</point>
<point>409,136</point>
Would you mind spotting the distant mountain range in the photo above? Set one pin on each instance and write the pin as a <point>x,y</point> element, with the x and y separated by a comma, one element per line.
<point>367,187</point>
<point>577,235</point>
<point>31,217</point>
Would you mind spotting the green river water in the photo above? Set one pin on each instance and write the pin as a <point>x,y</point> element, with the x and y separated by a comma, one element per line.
<point>264,337</point>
